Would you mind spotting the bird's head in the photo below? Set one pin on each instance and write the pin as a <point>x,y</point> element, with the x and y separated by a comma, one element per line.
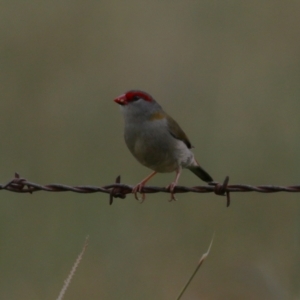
<point>136,103</point>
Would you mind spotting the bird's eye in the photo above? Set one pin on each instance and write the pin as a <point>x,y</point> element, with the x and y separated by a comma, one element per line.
<point>135,98</point>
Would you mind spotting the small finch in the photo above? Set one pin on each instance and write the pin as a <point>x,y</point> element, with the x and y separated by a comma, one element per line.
<point>156,140</point>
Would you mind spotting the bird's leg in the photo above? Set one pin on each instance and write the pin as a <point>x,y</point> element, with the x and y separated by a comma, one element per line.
<point>173,184</point>
<point>139,186</point>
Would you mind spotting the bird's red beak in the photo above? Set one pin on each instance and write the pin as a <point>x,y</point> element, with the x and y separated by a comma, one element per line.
<point>122,100</point>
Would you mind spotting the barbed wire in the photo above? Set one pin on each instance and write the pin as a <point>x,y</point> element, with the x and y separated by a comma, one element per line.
<point>119,190</point>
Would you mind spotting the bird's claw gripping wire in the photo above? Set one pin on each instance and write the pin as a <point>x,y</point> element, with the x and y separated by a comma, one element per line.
<point>138,189</point>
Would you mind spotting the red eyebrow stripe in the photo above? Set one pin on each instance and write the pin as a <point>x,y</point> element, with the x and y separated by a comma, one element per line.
<point>141,94</point>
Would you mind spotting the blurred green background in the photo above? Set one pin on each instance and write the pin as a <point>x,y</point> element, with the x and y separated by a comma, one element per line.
<point>227,71</point>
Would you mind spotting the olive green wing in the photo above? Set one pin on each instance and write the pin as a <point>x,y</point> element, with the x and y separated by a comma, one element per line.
<point>177,132</point>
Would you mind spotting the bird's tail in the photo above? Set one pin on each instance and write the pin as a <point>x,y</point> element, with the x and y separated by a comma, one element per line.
<point>202,174</point>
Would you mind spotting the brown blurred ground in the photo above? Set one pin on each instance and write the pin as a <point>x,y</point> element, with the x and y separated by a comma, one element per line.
<point>227,71</point>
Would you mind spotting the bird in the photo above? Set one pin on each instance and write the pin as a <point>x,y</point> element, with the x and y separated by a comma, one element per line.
<point>156,140</point>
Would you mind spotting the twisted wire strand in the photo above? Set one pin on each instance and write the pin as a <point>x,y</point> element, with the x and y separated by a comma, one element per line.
<point>119,190</point>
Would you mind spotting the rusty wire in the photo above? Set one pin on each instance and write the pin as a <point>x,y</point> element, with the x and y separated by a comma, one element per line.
<point>119,190</point>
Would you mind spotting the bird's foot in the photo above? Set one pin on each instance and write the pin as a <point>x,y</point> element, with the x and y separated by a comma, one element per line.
<point>171,188</point>
<point>138,189</point>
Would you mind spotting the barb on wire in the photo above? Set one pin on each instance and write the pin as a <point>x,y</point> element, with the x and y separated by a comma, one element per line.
<point>119,190</point>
